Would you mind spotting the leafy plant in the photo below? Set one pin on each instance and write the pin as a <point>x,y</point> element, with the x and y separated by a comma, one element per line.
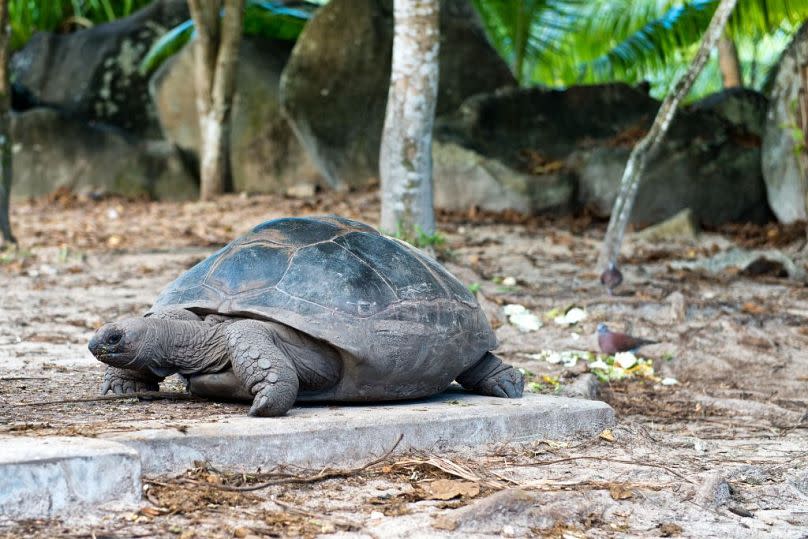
<point>419,238</point>
<point>30,16</point>
<point>571,42</point>
<point>262,18</point>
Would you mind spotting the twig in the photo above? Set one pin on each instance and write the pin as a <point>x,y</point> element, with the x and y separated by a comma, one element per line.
<point>322,475</point>
<point>160,395</point>
<point>302,512</point>
<point>16,378</point>
<point>602,459</point>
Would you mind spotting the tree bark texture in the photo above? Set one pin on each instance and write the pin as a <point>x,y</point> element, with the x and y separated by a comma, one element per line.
<point>630,182</point>
<point>729,62</point>
<point>5,127</point>
<point>405,160</point>
<point>218,37</point>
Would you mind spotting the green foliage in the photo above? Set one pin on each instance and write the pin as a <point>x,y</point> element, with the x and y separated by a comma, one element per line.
<point>419,238</point>
<point>30,16</point>
<point>572,42</point>
<point>262,18</point>
<point>529,31</point>
<point>167,46</point>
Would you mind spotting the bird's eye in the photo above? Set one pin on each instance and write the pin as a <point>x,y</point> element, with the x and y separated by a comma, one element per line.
<point>115,338</point>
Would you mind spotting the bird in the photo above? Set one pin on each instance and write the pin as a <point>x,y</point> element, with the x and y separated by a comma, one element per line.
<point>611,278</point>
<point>611,342</point>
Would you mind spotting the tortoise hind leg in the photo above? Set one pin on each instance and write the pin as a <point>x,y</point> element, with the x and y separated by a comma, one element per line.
<point>490,376</point>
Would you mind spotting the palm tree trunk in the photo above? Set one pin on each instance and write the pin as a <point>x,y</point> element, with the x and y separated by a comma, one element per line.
<point>630,182</point>
<point>405,160</point>
<point>729,62</point>
<point>5,127</point>
<point>217,45</point>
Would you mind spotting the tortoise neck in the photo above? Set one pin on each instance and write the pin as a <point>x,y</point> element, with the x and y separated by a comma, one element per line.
<point>193,347</point>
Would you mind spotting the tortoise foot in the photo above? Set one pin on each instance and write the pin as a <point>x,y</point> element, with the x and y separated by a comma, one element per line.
<point>490,376</point>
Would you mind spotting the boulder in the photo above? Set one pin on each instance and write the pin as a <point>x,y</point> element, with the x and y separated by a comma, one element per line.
<point>93,74</point>
<point>463,179</point>
<point>52,150</point>
<point>744,108</point>
<point>785,154</point>
<point>708,163</point>
<point>334,88</point>
<point>265,155</point>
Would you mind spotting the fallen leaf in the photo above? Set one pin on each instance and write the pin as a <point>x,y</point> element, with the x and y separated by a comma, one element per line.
<point>751,307</point>
<point>669,529</point>
<point>607,435</point>
<point>446,489</point>
<point>620,492</point>
<point>152,511</point>
<point>214,479</point>
<point>444,523</point>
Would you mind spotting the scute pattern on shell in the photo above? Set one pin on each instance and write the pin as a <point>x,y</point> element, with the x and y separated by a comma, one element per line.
<point>328,263</point>
<point>402,325</point>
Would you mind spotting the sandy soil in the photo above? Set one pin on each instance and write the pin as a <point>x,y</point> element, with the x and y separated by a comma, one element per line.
<point>722,452</point>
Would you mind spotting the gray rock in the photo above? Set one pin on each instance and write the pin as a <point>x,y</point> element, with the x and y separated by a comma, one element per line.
<point>334,88</point>
<point>742,107</point>
<point>54,151</point>
<point>680,227</point>
<point>93,74</point>
<point>784,159</point>
<point>490,514</point>
<point>265,155</point>
<point>585,386</point>
<point>464,179</point>
<point>700,166</point>
<point>752,262</point>
<point>586,133</point>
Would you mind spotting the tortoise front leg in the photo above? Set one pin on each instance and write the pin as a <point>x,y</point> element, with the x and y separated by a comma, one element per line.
<point>262,366</point>
<point>124,381</point>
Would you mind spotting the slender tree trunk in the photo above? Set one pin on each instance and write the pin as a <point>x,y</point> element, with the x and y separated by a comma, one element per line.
<point>406,148</point>
<point>630,183</point>
<point>5,127</point>
<point>216,50</point>
<point>729,62</point>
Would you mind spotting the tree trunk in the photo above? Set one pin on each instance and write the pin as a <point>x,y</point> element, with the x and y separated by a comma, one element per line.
<point>630,182</point>
<point>216,51</point>
<point>406,149</point>
<point>729,62</point>
<point>5,127</point>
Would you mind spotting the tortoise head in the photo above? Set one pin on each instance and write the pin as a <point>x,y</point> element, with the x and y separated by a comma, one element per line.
<point>127,344</point>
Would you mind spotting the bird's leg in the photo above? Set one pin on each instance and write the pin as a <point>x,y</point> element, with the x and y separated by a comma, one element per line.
<point>490,376</point>
<point>124,381</point>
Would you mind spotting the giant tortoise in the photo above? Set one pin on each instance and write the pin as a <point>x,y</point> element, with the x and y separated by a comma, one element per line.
<point>315,309</point>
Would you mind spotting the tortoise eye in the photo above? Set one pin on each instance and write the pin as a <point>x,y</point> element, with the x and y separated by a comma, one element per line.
<point>115,338</point>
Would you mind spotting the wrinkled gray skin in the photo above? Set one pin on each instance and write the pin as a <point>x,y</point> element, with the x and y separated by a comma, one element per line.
<point>254,322</point>
<point>222,358</point>
<point>243,359</point>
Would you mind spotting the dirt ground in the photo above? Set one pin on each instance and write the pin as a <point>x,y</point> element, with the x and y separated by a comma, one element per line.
<point>721,451</point>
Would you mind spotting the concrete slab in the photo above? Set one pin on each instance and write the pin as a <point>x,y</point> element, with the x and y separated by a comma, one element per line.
<point>52,476</point>
<point>316,436</point>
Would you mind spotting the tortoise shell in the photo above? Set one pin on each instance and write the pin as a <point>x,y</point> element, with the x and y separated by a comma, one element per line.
<point>395,314</point>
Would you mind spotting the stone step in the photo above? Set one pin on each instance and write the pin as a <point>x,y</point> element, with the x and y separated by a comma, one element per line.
<point>48,476</point>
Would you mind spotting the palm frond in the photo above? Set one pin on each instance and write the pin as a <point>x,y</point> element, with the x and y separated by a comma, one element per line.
<point>526,32</point>
<point>261,18</point>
